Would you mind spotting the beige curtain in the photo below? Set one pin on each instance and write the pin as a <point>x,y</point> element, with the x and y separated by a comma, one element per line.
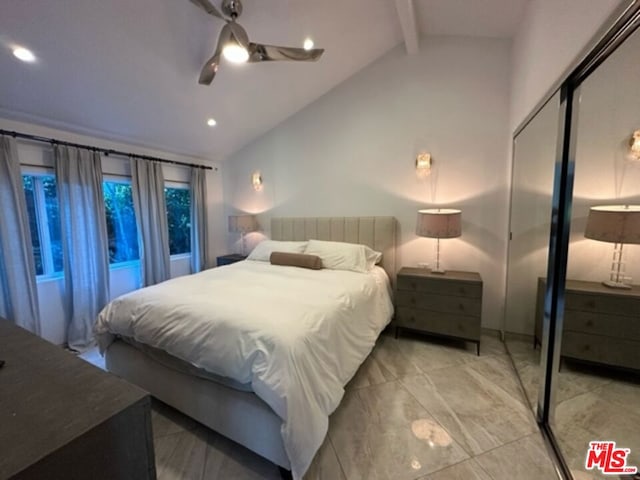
<point>147,186</point>
<point>18,290</point>
<point>85,245</point>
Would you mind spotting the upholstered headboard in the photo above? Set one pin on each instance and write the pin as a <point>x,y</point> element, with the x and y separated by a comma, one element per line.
<point>378,233</point>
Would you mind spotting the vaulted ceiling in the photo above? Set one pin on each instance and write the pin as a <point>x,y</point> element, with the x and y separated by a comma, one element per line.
<point>128,69</point>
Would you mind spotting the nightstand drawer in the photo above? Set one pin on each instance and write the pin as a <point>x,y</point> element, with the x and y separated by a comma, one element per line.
<point>596,348</point>
<point>440,286</point>
<point>459,326</point>
<point>439,303</point>
<point>608,304</point>
<point>602,324</point>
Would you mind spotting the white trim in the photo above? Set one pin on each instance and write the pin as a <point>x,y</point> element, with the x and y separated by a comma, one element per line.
<point>115,178</point>
<point>35,170</point>
<point>177,185</point>
<point>49,277</point>
<point>123,265</point>
<point>179,256</point>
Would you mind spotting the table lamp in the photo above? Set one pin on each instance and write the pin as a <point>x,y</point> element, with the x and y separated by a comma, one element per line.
<point>242,224</point>
<point>439,223</point>
<point>617,224</point>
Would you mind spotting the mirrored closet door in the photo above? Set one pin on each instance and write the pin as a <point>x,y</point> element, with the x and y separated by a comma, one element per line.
<point>534,156</point>
<point>597,389</point>
<point>572,312</point>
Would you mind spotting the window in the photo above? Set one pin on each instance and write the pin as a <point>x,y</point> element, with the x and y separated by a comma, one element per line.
<point>121,222</point>
<point>179,218</point>
<point>30,195</point>
<point>44,222</point>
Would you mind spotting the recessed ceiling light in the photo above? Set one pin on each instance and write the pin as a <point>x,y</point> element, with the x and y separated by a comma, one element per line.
<point>211,122</point>
<point>24,54</point>
<point>308,44</point>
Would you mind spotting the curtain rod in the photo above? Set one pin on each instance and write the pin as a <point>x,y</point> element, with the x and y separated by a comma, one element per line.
<point>106,151</point>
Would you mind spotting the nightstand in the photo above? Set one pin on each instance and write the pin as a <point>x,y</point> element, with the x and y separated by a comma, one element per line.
<point>601,324</point>
<point>444,304</point>
<point>229,259</point>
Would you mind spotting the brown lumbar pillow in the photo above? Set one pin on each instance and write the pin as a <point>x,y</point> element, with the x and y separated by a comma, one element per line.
<point>296,260</point>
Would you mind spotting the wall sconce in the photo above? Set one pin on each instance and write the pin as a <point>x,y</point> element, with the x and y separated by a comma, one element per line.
<point>423,163</point>
<point>256,181</point>
<point>634,145</point>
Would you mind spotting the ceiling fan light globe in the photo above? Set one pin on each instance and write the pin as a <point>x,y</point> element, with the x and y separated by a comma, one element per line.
<point>235,53</point>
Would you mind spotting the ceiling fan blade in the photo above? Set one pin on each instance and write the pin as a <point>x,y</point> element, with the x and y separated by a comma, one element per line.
<point>208,7</point>
<point>240,34</point>
<point>267,53</point>
<point>210,68</point>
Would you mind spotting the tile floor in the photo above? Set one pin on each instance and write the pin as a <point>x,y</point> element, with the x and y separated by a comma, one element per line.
<point>592,404</point>
<point>418,408</point>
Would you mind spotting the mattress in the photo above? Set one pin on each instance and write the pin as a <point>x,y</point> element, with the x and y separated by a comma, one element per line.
<point>297,336</point>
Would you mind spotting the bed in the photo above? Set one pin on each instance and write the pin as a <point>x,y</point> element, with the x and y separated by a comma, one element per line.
<point>251,400</point>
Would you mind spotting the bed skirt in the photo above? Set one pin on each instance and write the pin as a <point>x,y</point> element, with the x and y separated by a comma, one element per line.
<point>239,416</point>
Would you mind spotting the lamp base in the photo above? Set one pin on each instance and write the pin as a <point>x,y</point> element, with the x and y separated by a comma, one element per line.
<point>612,284</point>
<point>438,271</point>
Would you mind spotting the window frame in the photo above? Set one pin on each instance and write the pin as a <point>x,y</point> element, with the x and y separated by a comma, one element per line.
<point>42,220</point>
<point>125,180</point>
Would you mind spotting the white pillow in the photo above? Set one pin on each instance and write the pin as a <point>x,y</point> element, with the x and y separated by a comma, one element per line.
<point>344,256</point>
<point>264,249</point>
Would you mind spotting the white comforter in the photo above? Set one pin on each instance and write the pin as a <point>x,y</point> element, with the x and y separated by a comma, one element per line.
<point>296,335</point>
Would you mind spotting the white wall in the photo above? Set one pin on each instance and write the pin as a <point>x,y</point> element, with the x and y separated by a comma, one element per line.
<point>124,278</point>
<point>551,35</point>
<point>352,153</point>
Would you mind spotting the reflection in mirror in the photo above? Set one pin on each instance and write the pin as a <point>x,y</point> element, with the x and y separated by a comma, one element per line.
<point>598,387</point>
<point>534,156</point>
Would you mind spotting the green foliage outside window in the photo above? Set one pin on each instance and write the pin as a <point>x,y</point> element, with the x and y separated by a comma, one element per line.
<point>179,218</point>
<point>29,192</point>
<point>121,222</point>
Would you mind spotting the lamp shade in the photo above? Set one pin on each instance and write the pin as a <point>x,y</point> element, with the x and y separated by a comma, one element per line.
<point>439,223</point>
<point>242,223</point>
<point>614,223</point>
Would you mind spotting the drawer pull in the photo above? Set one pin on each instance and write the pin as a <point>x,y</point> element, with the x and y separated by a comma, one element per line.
<point>589,323</point>
<point>591,304</point>
<point>412,319</point>
<point>461,306</point>
<point>587,348</point>
<point>412,301</point>
<point>413,285</point>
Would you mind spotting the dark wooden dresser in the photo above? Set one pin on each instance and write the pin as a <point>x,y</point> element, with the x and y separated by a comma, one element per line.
<point>446,304</point>
<point>62,418</point>
<point>601,324</point>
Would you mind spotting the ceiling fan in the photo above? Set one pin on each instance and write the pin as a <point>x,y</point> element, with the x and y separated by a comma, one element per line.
<point>234,44</point>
